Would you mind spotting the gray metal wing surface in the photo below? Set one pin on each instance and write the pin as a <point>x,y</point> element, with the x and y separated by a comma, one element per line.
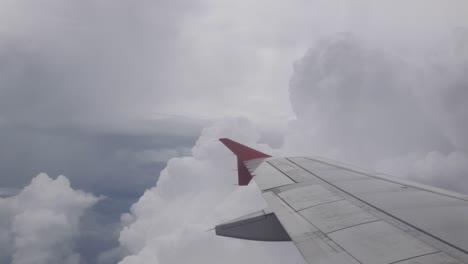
<point>337,214</point>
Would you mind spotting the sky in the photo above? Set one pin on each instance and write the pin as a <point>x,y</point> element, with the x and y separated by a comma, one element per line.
<point>110,111</point>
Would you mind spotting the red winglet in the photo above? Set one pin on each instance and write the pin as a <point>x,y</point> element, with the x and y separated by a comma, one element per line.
<point>243,153</point>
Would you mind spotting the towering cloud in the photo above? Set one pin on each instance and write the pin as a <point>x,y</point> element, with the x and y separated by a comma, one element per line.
<point>351,97</point>
<point>400,114</point>
<point>443,92</point>
<point>39,224</point>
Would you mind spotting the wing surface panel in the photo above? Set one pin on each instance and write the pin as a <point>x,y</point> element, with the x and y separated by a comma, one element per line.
<point>337,215</point>
<point>314,246</point>
<point>307,196</point>
<point>268,177</point>
<point>295,173</point>
<point>442,215</point>
<point>356,229</point>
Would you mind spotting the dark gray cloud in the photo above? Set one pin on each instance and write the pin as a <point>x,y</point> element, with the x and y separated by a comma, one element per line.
<point>99,229</point>
<point>89,159</point>
<point>108,65</point>
<point>87,63</point>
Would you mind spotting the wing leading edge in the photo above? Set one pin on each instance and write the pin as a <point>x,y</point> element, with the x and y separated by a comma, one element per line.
<point>336,213</point>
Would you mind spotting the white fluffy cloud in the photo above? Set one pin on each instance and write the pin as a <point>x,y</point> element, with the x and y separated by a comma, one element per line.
<point>194,193</point>
<point>39,224</point>
<point>400,114</point>
<point>448,171</point>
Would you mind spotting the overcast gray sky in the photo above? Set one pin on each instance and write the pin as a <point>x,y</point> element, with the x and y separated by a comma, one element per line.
<point>105,92</point>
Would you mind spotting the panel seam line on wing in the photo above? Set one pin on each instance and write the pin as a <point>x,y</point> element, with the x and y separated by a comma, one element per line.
<point>272,188</point>
<point>377,177</point>
<point>372,221</point>
<point>316,205</point>
<point>401,260</point>
<point>281,172</point>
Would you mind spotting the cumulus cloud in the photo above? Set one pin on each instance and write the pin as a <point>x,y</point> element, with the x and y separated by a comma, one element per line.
<point>348,96</point>
<point>374,107</point>
<point>193,194</point>
<point>39,224</point>
<point>448,171</point>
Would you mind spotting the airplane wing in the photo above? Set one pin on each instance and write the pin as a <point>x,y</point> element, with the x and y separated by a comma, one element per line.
<point>338,214</point>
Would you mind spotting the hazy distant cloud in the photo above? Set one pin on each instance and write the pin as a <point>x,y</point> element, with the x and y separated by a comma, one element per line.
<point>39,224</point>
<point>6,192</point>
<point>98,64</point>
<point>115,66</point>
<point>161,155</point>
<point>89,159</point>
<point>443,92</point>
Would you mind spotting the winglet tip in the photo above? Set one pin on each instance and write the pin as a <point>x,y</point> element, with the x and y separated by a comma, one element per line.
<point>224,140</point>
<point>243,153</point>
